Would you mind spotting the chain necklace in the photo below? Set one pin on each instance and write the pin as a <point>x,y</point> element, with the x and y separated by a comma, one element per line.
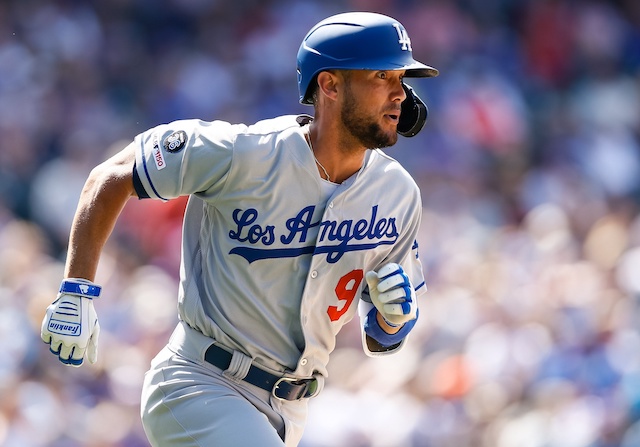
<point>308,136</point>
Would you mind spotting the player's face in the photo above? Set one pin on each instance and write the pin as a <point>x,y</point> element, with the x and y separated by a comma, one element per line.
<point>371,106</point>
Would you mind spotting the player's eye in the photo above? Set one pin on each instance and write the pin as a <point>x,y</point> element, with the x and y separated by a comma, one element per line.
<point>382,74</point>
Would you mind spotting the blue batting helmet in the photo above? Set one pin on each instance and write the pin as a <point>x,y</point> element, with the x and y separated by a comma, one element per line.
<point>356,41</point>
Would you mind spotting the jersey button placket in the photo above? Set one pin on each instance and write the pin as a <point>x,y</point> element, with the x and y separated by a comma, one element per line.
<point>314,274</point>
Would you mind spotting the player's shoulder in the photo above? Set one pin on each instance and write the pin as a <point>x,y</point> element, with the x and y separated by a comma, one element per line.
<point>277,125</point>
<point>380,161</point>
<point>218,131</point>
<point>263,127</point>
<point>224,133</point>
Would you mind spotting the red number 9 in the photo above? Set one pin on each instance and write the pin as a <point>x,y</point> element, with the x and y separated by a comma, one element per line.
<point>345,291</point>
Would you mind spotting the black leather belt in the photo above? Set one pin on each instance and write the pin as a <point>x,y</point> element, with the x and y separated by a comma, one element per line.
<point>286,388</point>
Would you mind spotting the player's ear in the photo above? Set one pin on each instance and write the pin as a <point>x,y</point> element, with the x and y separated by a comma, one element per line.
<point>327,84</point>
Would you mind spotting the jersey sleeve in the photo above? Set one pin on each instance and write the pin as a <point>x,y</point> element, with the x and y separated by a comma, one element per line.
<point>184,157</point>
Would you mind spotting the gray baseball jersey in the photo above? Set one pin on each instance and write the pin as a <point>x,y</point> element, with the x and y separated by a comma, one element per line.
<point>273,256</point>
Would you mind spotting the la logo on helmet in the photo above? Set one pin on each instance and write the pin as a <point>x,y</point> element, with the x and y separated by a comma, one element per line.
<point>403,37</point>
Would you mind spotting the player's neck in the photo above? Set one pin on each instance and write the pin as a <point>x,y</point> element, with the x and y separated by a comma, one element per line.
<point>338,158</point>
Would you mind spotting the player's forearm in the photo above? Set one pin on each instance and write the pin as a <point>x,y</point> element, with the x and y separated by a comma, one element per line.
<point>103,197</point>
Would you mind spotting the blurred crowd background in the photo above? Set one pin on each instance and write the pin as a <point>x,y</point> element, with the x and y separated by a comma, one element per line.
<point>530,171</point>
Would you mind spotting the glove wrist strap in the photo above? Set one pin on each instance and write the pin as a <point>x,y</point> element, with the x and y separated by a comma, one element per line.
<point>82,287</point>
<point>372,329</point>
<point>393,325</point>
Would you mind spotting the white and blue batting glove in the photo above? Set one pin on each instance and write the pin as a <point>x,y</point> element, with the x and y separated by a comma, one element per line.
<point>392,294</point>
<point>70,326</point>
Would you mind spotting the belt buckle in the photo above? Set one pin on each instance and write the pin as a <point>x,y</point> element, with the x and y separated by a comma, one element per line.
<point>289,388</point>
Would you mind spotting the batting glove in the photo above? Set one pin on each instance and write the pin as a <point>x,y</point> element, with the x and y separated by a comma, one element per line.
<point>70,326</point>
<point>392,294</point>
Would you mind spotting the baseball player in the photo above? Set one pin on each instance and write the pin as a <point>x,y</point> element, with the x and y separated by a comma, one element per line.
<point>293,225</point>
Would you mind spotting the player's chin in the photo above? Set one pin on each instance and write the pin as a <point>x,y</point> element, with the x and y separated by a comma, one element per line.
<point>387,138</point>
<point>391,128</point>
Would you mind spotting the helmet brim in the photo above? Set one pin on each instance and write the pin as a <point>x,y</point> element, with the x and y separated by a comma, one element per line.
<point>420,70</point>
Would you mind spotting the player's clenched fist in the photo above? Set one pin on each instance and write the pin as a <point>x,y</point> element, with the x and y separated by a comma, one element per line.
<point>70,325</point>
<point>392,294</point>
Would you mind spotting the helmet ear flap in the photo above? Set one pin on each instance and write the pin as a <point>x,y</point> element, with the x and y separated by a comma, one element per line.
<point>413,114</point>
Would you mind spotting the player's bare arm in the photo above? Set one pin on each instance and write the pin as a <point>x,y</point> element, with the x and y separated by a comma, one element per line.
<point>106,191</point>
<point>71,326</point>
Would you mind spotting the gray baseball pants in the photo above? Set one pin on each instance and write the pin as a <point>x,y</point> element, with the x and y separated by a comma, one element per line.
<point>189,402</point>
